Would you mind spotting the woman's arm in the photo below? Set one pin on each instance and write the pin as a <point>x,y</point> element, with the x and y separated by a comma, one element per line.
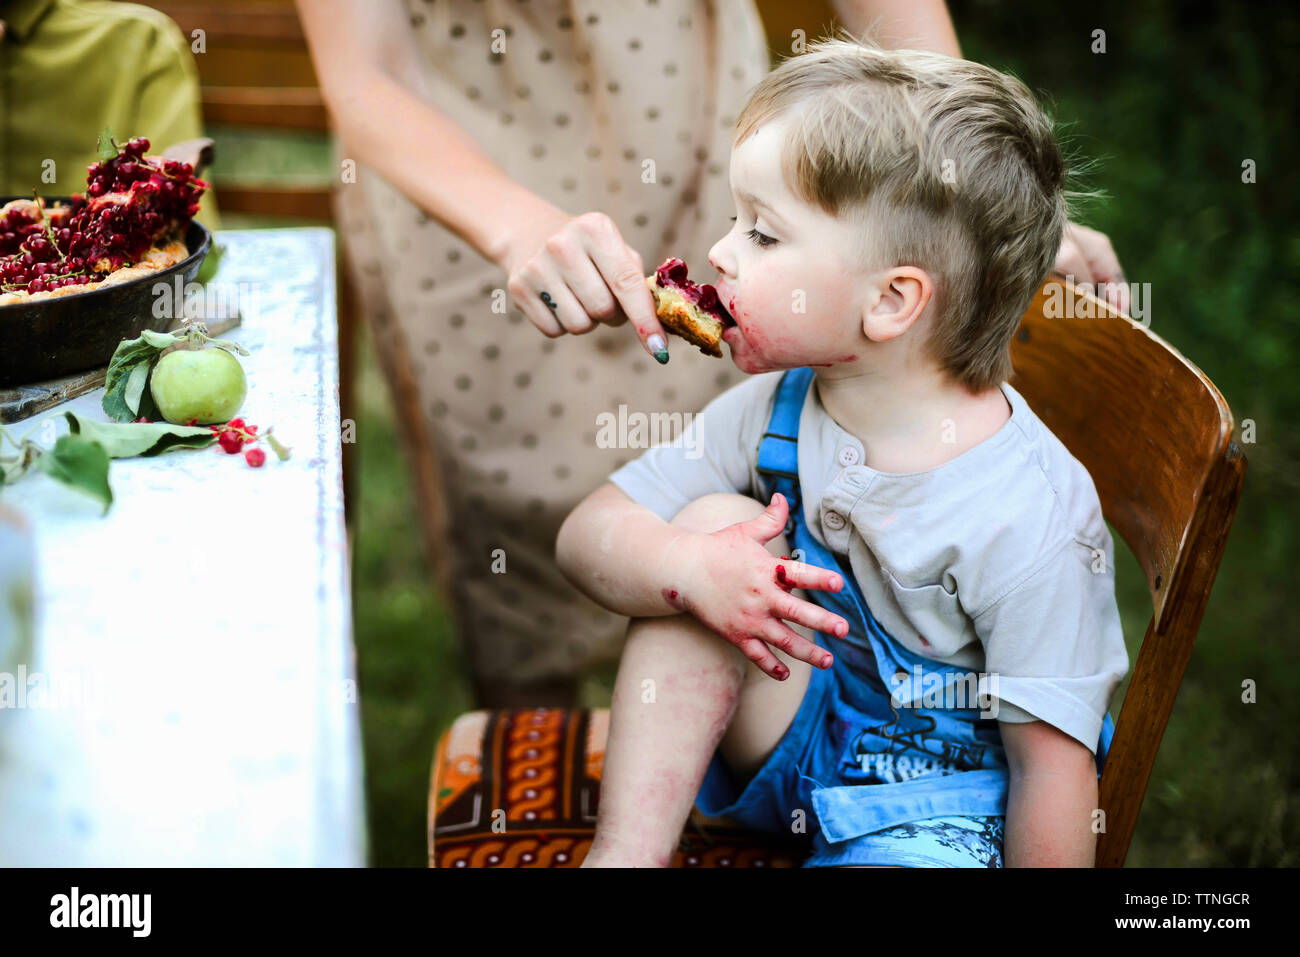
<point>901,24</point>
<point>361,53</point>
<point>359,50</point>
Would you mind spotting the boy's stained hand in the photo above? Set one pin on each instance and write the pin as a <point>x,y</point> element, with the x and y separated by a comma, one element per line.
<point>740,590</point>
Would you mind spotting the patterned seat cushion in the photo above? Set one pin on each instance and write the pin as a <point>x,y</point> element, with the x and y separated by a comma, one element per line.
<point>519,788</point>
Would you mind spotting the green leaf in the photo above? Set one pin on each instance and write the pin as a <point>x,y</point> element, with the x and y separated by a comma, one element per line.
<point>107,148</point>
<point>126,357</point>
<point>148,407</point>
<point>81,464</point>
<point>230,345</point>
<point>281,451</point>
<point>135,386</point>
<point>123,440</point>
<point>161,340</point>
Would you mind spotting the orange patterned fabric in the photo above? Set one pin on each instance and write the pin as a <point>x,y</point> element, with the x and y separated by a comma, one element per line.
<point>520,789</point>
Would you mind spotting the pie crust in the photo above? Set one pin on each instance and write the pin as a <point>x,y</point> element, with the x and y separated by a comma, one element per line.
<point>678,306</point>
<point>164,253</point>
<point>128,224</point>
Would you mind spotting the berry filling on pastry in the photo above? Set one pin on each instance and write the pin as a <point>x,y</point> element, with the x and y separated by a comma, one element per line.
<point>135,212</point>
<point>672,273</point>
<point>688,309</point>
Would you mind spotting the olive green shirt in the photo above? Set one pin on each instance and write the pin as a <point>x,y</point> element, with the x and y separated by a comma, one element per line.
<point>68,68</point>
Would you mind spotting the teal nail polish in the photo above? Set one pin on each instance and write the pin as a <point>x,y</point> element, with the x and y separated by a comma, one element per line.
<point>662,357</point>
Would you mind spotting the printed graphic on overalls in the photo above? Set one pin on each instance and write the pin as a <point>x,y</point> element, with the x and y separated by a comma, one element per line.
<point>949,841</point>
<point>893,752</point>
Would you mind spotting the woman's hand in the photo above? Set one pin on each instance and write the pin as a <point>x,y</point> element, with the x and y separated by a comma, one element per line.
<point>586,269</point>
<point>1088,257</point>
<point>740,590</point>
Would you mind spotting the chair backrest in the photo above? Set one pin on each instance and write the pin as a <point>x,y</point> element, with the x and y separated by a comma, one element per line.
<point>1156,437</point>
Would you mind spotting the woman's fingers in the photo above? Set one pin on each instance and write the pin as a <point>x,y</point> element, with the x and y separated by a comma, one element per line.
<point>587,273</point>
<point>1088,257</point>
<point>568,311</point>
<point>588,288</point>
<point>1106,272</point>
<point>1103,263</point>
<point>1070,261</point>
<point>624,274</point>
<point>526,288</point>
<point>1117,294</point>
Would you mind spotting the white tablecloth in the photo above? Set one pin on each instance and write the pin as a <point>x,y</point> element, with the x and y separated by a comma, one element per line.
<point>195,644</point>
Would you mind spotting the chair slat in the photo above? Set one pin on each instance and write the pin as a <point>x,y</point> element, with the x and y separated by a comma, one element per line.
<point>304,202</point>
<point>281,107</point>
<point>1156,437</point>
<point>268,24</point>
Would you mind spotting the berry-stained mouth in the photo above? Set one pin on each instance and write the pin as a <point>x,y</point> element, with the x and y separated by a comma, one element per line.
<point>672,274</point>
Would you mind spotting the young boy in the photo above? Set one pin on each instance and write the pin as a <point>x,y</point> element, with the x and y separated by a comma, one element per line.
<point>927,536</point>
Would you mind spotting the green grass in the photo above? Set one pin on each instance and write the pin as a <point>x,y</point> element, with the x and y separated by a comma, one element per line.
<point>411,671</point>
<point>1172,108</point>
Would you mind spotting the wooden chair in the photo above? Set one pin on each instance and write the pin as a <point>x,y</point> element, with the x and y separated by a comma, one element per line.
<point>1156,436</point>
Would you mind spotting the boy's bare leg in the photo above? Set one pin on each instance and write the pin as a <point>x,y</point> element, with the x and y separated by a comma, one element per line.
<point>679,688</point>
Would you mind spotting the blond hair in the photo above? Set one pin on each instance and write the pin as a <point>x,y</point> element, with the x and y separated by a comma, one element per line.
<point>953,164</point>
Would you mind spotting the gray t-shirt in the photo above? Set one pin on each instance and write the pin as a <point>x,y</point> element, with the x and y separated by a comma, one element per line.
<point>997,561</point>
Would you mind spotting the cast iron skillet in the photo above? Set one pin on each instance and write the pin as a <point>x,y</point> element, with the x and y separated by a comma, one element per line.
<point>55,337</point>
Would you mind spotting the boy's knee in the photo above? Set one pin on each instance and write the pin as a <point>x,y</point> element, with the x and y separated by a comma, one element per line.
<point>708,513</point>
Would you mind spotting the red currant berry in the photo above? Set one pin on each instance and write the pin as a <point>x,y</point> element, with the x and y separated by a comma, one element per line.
<point>255,457</point>
<point>142,419</point>
<point>230,441</point>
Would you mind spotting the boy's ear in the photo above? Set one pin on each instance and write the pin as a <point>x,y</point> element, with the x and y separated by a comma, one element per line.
<point>897,299</point>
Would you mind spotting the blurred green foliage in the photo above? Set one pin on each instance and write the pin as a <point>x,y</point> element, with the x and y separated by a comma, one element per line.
<point>1183,94</point>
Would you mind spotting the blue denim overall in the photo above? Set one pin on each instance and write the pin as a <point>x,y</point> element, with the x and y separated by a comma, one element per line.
<point>887,780</point>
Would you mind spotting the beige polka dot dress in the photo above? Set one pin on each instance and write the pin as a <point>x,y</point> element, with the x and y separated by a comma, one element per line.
<point>583,95</point>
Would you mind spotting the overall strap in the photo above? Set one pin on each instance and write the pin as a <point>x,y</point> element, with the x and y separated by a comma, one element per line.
<point>778,451</point>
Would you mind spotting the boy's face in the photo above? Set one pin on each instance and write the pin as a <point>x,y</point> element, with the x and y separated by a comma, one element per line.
<point>789,275</point>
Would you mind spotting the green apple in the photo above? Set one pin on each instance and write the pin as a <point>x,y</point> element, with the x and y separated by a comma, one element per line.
<point>203,384</point>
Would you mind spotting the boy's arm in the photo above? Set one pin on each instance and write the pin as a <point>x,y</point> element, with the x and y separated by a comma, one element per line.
<point>612,546</point>
<point>592,551</point>
<point>1051,800</point>
<point>628,559</point>
<point>1054,653</point>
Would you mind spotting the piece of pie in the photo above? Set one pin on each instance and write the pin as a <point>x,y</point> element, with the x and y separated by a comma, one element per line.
<point>688,309</point>
<point>130,222</point>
